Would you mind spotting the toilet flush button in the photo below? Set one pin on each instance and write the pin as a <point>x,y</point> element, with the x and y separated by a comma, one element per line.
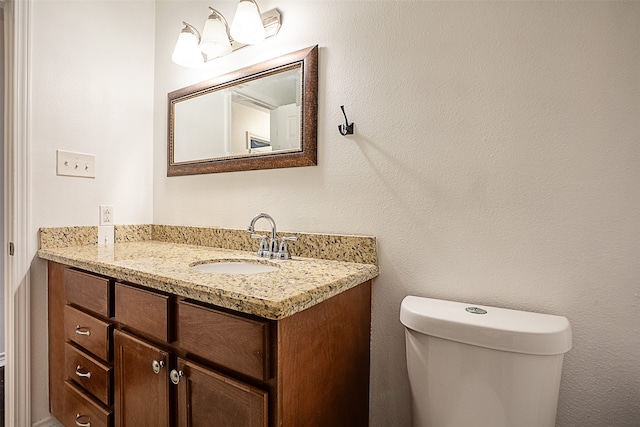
<point>476,310</point>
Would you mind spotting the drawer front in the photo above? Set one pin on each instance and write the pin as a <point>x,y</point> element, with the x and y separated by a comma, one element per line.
<point>88,291</point>
<point>88,332</point>
<point>93,375</point>
<point>142,310</point>
<point>81,410</point>
<point>235,342</point>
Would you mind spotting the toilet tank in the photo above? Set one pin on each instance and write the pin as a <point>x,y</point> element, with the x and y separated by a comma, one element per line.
<point>481,365</point>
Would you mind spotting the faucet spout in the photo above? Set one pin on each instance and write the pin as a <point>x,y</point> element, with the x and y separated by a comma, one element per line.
<point>273,244</point>
<point>251,227</point>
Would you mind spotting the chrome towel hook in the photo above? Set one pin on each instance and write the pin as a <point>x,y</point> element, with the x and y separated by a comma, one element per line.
<point>346,128</point>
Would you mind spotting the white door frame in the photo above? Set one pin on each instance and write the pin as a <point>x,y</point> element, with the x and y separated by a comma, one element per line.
<point>17,212</point>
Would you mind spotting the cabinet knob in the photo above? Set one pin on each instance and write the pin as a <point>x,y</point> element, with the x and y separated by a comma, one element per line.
<point>175,376</point>
<point>82,374</point>
<point>82,331</point>
<point>157,365</point>
<point>81,424</point>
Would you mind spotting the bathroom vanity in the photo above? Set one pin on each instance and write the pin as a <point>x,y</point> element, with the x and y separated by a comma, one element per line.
<point>137,336</point>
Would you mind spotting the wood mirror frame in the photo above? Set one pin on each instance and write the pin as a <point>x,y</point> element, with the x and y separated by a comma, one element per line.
<point>306,156</point>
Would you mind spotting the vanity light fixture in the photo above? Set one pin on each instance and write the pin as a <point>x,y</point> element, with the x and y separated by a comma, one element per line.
<point>218,39</point>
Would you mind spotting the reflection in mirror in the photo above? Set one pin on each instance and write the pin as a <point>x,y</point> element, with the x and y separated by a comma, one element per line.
<point>259,117</point>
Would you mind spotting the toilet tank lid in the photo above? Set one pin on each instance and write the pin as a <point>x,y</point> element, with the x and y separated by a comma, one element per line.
<point>498,328</point>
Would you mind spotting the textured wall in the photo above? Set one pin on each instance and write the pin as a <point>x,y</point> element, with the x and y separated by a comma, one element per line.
<point>496,158</point>
<point>92,90</point>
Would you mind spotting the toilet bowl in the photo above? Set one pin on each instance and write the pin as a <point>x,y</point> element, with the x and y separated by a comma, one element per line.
<point>482,366</point>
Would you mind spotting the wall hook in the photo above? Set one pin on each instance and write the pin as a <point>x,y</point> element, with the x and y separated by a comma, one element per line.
<point>346,128</point>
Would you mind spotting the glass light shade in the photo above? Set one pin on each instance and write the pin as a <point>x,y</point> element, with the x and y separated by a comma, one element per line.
<point>187,53</point>
<point>247,25</point>
<point>215,39</point>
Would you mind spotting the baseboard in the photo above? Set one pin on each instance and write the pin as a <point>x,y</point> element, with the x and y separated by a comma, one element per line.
<point>47,422</point>
<point>2,360</point>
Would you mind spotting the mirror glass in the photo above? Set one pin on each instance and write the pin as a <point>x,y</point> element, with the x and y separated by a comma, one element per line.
<point>260,117</point>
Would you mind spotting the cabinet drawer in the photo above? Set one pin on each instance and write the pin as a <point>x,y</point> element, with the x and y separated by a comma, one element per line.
<point>88,291</point>
<point>88,332</point>
<point>238,343</point>
<point>144,311</point>
<point>93,375</point>
<point>80,409</point>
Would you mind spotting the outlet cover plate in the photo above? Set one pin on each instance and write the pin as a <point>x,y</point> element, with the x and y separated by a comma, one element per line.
<point>69,163</point>
<point>106,215</point>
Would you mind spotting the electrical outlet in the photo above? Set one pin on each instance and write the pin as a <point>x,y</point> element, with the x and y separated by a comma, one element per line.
<point>75,164</point>
<point>106,215</point>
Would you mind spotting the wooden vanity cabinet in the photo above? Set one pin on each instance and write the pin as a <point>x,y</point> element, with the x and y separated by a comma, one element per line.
<point>162,360</point>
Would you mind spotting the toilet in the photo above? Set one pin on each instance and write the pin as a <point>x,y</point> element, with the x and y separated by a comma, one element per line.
<point>482,366</point>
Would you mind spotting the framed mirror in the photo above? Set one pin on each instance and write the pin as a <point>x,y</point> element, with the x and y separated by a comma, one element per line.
<point>260,117</point>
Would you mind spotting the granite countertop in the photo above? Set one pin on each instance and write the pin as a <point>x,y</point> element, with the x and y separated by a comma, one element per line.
<point>299,283</point>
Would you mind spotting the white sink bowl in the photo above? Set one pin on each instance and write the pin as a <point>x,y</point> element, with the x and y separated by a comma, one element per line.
<point>235,267</point>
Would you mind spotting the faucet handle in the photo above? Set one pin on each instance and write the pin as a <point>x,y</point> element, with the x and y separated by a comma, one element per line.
<point>263,251</point>
<point>284,252</point>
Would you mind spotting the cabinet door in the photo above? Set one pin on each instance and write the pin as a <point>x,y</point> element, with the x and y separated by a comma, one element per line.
<point>141,383</point>
<point>206,398</point>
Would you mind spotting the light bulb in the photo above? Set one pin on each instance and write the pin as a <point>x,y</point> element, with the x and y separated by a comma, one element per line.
<point>247,25</point>
<point>187,53</point>
<point>215,39</point>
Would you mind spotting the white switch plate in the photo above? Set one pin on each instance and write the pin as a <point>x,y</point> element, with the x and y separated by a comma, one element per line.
<point>106,215</point>
<point>69,163</point>
<point>106,235</point>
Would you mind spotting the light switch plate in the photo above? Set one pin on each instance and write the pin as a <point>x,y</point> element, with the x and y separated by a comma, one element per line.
<point>69,163</point>
<point>106,235</point>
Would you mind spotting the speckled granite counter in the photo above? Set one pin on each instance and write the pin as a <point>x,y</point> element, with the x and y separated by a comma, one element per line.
<point>162,262</point>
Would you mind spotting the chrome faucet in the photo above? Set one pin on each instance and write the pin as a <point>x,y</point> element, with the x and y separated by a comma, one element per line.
<point>270,250</point>
<point>265,251</point>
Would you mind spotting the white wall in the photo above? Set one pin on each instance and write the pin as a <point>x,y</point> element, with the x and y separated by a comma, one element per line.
<point>199,122</point>
<point>496,158</point>
<point>245,119</point>
<point>92,92</point>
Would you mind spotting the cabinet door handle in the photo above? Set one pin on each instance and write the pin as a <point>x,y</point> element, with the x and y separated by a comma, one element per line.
<point>82,331</point>
<point>157,366</point>
<point>175,376</point>
<point>81,424</point>
<point>82,374</point>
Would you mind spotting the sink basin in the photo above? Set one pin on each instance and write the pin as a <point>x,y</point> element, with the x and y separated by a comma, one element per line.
<point>235,267</point>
